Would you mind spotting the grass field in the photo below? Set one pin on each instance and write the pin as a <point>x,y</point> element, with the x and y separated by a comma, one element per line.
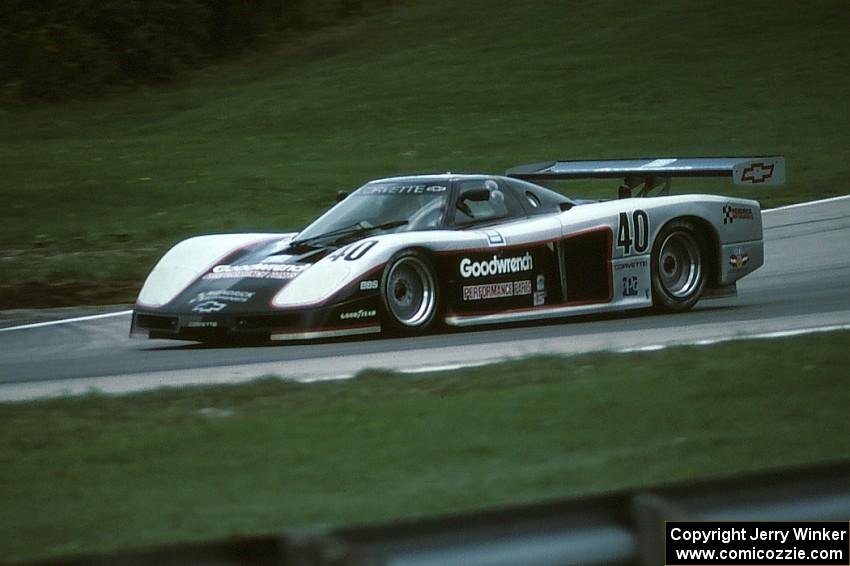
<point>94,473</point>
<point>95,191</point>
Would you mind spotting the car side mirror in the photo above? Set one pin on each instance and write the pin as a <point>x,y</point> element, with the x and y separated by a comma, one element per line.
<point>475,195</point>
<point>341,195</point>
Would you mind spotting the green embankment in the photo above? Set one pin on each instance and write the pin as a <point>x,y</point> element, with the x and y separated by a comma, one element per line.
<point>95,473</point>
<point>94,192</point>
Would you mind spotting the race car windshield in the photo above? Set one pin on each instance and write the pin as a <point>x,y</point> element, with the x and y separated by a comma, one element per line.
<point>387,206</point>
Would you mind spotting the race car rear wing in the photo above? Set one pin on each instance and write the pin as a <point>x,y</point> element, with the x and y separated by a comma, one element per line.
<point>655,173</point>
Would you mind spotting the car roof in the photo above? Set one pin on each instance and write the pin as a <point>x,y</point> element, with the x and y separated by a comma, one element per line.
<point>429,177</point>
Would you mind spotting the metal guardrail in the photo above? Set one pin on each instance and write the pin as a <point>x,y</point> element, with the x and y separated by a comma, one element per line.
<point>625,527</point>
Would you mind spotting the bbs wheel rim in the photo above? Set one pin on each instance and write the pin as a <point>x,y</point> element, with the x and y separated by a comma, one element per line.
<point>680,265</point>
<point>411,292</point>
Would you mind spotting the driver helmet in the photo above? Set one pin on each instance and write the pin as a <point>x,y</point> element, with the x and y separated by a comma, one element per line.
<point>495,193</point>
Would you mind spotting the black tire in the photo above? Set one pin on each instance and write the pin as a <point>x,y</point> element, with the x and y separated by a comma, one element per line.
<point>410,293</point>
<point>679,267</point>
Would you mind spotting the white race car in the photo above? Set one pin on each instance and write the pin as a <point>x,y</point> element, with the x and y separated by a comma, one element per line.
<point>407,253</point>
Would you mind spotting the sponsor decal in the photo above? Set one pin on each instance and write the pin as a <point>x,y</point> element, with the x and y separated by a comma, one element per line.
<point>496,266</point>
<point>495,238</point>
<point>489,291</point>
<point>225,295</point>
<point>541,282</point>
<point>257,271</point>
<point>630,286</point>
<point>539,298</point>
<point>757,173</point>
<point>356,315</point>
<point>382,189</point>
<point>732,213</point>
<point>209,306</point>
<point>631,264</point>
<point>739,259</point>
<point>497,290</point>
<point>522,287</point>
<point>368,285</point>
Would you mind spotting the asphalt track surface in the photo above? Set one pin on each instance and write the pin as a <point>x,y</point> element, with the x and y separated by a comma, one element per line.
<point>803,286</point>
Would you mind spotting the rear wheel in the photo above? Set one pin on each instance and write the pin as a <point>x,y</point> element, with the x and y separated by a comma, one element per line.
<point>679,267</point>
<point>409,292</point>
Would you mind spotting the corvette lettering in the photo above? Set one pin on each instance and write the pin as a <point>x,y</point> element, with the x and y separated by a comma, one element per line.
<point>496,266</point>
<point>631,264</point>
<point>402,189</point>
<point>202,324</point>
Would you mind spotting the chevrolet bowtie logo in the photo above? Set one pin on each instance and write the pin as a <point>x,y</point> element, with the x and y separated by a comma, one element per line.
<point>209,306</point>
<point>757,173</point>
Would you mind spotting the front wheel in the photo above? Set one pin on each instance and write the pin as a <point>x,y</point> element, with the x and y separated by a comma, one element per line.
<point>409,292</point>
<point>678,267</point>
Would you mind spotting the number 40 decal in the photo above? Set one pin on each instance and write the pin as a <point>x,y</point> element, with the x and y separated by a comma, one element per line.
<point>353,252</point>
<point>633,231</point>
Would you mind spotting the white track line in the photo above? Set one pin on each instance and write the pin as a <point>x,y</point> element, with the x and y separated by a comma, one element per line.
<point>448,367</point>
<point>647,348</point>
<point>808,203</point>
<point>66,320</point>
<point>757,336</point>
<point>131,383</point>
